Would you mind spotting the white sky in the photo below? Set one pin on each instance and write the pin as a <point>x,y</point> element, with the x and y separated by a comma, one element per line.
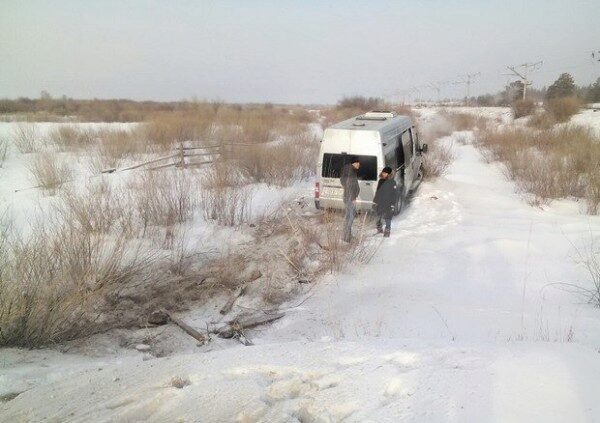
<point>286,51</point>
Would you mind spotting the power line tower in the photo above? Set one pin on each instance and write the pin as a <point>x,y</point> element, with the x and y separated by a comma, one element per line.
<point>467,80</point>
<point>523,74</point>
<point>437,87</point>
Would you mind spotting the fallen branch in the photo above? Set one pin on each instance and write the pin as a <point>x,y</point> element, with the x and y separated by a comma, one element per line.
<point>188,329</point>
<point>229,304</point>
<point>236,325</point>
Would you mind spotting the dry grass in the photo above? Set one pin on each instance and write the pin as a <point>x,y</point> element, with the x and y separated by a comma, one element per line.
<point>82,270</point>
<point>26,138</point>
<point>69,137</point>
<point>550,164</point>
<point>335,115</point>
<point>99,209</point>
<point>437,160</point>
<point>226,205</point>
<point>563,108</point>
<point>3,150</point>
<point>163,198</point>
<point>114,146</point>
<point>521,108</point>
<point>541,120</point>
<point>280,164</point>
<point>49,172</point>
<point>165,129</point>
<point>52,284</point>
<point>464,121</point>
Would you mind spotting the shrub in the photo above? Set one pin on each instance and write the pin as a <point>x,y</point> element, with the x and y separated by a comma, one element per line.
<point>282,163</point>
<point>359,102</point>
<point>541,120</point>
<point>114,146</point>
<point>98,209</point>
<point>437,160</point>
<point>464,121</point>
<point>222,199</point>
<point>521,108</point>
<point>550,164</point>
<point>25,137</point>
<point>49,172</point>
<point>70,138</point>
<point>3,150</point>
<point>562,108</point>
<point>52,283</point>
<point>163,197</point>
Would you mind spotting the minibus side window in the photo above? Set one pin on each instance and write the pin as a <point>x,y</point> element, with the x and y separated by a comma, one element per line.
<point>390,159</point>
<point>399,152</point>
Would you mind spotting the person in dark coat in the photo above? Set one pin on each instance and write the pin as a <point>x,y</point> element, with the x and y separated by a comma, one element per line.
<point>349,180</point>
<point>385,200</point>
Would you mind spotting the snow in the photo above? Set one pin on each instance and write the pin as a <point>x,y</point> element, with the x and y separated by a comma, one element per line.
<point>455,318</point>
<point>588,118</point>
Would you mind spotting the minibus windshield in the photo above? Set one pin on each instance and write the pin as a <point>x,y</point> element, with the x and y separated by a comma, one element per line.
<point>333,164</point>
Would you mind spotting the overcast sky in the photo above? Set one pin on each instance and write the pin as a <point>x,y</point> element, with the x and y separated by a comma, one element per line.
<point>286,51</point>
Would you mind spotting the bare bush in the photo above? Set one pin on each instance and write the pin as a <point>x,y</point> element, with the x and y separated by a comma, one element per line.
<point>563,108</point>
<point>51,284</point>
<point>49,172</point>
<point>521,108</point>
<point>114,146</point>
<point>227,205</point>
<point>550,164</point>
<point>464,121</point>
<point>68,137</point>
<point>359,102</point>
<point>437,160</point>
<point>335,115</point>
<point>98,209</point>
<point>26,137</point>
<point>163,198</point>
<point>281,164</point>
<point>223,198</point>
<point>165,129</point>
<point>541,120</point>
<point>3,150</point>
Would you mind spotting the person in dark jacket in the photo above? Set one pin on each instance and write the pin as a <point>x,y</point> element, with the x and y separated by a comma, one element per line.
<point>349,180</point>
<point>385,200</point>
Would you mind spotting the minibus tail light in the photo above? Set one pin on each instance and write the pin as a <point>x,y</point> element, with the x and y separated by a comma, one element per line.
<point>317,189</point>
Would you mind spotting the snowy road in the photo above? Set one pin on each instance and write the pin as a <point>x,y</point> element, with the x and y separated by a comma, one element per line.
<point>452,320</point>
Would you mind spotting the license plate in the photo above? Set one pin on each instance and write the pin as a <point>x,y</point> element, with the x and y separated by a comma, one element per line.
<point>332,192</point>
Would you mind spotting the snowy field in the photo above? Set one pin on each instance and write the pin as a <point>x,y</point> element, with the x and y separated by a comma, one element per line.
<point>457,317</point>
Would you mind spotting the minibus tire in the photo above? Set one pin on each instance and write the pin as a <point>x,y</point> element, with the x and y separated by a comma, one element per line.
<point>399,204</point>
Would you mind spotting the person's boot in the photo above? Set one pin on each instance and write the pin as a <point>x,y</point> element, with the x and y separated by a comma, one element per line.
<point>386,233</point>
<point>379,230</point>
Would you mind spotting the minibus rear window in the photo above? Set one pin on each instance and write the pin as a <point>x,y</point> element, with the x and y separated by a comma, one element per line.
<point>333,164</point>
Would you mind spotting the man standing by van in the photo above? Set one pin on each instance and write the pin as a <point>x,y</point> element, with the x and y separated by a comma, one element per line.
<point>349,180</point>
<point>384,200</point>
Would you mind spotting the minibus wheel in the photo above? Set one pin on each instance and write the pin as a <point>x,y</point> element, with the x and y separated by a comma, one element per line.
<point>399,203</point>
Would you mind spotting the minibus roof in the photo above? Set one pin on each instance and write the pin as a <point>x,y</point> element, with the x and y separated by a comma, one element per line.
<point>365,123</point>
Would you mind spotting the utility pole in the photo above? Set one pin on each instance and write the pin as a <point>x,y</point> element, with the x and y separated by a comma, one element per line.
<point>437,87</point>
<point>468,79</point>
<point>523,74</point>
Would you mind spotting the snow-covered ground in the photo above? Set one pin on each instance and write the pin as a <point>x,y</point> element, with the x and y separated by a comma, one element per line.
<point>455,318</point>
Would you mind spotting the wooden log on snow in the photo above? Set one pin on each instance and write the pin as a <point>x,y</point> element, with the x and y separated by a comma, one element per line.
<point>188,329</point>
<point>238,325</point>
<point>241,290</point>
<point>233,298</point>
